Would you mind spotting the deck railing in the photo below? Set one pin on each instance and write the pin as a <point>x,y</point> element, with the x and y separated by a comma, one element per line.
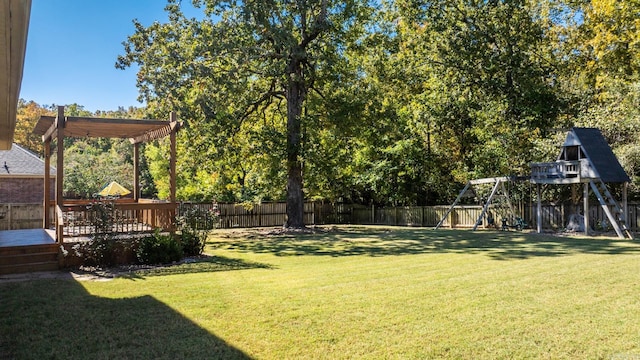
<point>558,170</point>
<point>128,217</point>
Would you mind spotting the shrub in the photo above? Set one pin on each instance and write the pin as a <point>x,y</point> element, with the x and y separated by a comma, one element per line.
<point>192,244</point>
<point>101,249</point>
<point>158,249</point>
<point>194,224</point>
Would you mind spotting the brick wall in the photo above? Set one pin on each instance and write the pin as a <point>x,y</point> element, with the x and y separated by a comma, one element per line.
<point>23,190</point>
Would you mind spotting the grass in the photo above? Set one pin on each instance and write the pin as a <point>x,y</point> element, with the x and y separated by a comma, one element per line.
<point>353,292</point>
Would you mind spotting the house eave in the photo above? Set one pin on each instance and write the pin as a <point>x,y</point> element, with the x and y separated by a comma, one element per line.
<point>14,26</point>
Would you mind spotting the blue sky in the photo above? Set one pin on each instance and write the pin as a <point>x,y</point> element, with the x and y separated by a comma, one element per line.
<point>72,48</point>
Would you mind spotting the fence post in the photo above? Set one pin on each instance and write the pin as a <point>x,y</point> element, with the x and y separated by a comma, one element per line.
<point>373,214</point>
<point>395,215</point>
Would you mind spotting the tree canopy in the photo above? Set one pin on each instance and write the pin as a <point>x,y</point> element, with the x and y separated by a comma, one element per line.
<point>384,102</point>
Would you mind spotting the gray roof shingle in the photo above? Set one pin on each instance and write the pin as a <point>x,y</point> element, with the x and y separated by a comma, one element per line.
<point>20,161</point>
<point>601,156</point>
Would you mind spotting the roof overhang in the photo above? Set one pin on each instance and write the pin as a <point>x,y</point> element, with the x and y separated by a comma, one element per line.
<point>14,26</point>
<point>52,175</point>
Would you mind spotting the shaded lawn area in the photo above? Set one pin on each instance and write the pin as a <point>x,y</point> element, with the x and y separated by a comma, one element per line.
<point>350,292</point>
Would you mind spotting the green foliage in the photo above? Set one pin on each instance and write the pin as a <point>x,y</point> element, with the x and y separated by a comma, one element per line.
<point>90,164</point>
<point>247,76</point>
<point>102,249</point>
<point>158,249</point>
<point>28,114</point>
<point>393,102</point>
<point>194,224</point>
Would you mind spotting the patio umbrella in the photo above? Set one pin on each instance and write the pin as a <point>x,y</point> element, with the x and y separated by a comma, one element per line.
<point>114,189</point>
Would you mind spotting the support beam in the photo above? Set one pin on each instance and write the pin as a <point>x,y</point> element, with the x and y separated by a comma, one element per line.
<point>172,159</point>
<point>625,204</point>
<point>51,133</point>
<point>46,220</point>
<point>466,188</point>
<point>539,210</point>
<point>585,197</point>
<point>486,206</point>
<point>489,180</point>
<point>136,172</point>
<point>59,164</point>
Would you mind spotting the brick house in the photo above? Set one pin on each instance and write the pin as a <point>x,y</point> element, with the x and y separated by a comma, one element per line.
<point>21,177</point>
<point>22,188</point>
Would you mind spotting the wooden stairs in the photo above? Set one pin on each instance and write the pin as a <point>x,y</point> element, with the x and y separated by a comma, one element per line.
<point>31,258</point>
<point>613,210</point>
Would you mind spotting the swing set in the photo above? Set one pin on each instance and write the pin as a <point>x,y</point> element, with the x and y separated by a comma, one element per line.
<point>498,202</point>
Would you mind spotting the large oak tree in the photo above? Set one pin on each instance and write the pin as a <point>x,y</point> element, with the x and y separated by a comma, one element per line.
<point>243,58</point>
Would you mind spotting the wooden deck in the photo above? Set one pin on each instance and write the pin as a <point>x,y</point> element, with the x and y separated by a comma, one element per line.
<point>26,237</point>
<point>28,250</point>
<point>560,172</point>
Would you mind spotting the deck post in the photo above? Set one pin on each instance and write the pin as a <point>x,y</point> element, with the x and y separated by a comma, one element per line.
<point>46,220</point>
<point>172,160</point>
<point>60,120</point>
<point>136,172</point>
<point>539,210</point>
<point>586,208</point>
<point>172,167</point>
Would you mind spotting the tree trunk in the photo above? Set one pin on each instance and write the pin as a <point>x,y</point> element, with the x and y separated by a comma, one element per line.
<point>295,98</point>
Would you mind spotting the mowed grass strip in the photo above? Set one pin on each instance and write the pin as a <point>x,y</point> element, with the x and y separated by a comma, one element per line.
<point>351,292</point>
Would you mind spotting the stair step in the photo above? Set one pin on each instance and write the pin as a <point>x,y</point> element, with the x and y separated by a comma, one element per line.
<point>30,267</point>
<point>20,259</point>
<point>28,258</point>
<point>18,250</point>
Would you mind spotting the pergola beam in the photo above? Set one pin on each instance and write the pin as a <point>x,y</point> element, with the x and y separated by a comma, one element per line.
<point>156,134</point>
<point>50,134</point>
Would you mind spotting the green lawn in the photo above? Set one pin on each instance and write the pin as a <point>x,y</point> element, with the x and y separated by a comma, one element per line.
<point>354,292</point>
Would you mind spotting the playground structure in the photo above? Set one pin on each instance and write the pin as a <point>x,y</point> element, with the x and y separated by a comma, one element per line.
<point>497,207</point>
<point>585,158</point>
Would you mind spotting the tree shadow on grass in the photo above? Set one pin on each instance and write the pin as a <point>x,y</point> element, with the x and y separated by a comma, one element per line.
<point>59,319</point>
<point>204,264</point>
<point>349,241</point>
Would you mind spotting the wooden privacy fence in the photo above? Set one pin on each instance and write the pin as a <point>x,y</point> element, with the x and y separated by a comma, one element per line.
<point>145,217</point>
<point>20,216</point>
<point>271,214</point>
<point>554,216</point>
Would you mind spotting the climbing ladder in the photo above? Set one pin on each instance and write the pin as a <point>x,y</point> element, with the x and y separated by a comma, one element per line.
<point>608,202</point>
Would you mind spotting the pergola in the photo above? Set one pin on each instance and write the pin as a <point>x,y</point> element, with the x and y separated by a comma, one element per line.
<point>137,131</point>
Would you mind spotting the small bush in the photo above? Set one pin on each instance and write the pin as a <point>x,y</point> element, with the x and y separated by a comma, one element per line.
<point>194,225</point>
<point>192,243</point>
<point>159,249</point>
<point>101,249</point>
